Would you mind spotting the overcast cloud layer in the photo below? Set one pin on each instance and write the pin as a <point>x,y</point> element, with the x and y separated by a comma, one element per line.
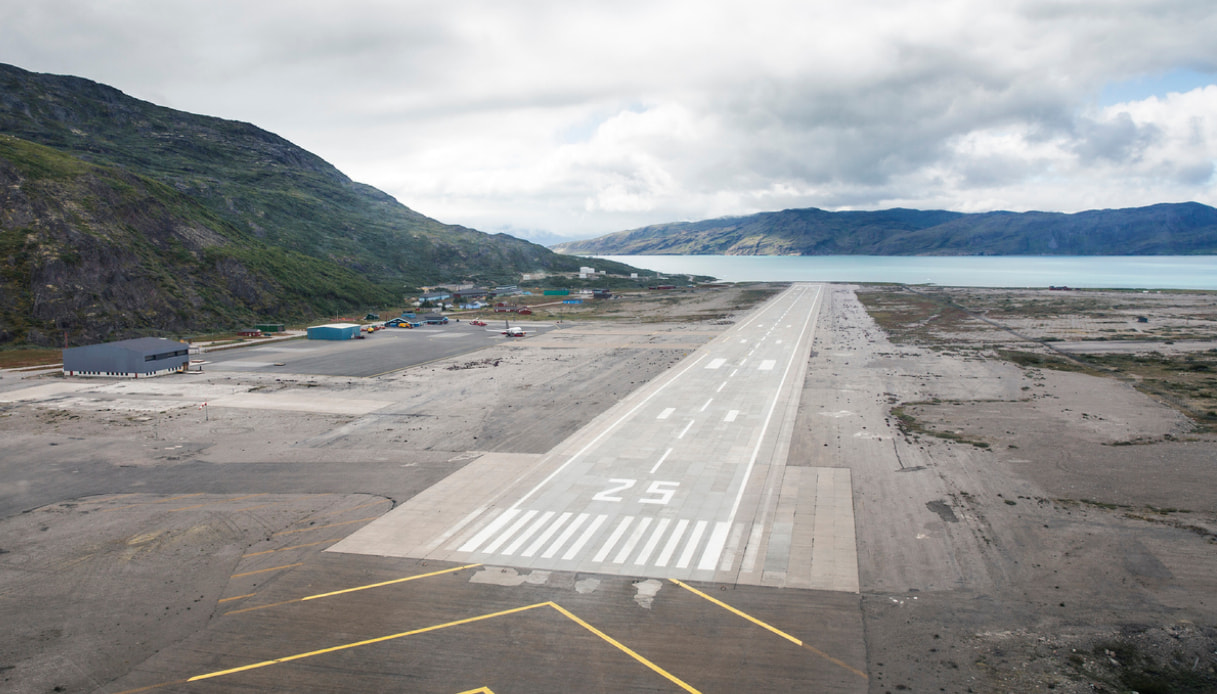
<point>579,118</point>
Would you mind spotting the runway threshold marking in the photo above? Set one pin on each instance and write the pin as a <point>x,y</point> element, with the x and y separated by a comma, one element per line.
<point>436,627</point>
<point>771,628</point>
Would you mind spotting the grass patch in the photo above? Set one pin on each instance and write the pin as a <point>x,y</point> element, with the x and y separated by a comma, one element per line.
<point>30,356</point>
<point>912,427</point>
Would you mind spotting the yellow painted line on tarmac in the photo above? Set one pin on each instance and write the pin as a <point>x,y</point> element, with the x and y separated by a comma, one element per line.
<point>351,590</point>
<point>322,527</point>
<point>366,642</point>
<point>236,597</point>
<point>260,607</point>
<point>273,568</point>
<point>469,620</point>
<point>664,673</point>
<point>389,583</point>
<point>150,503</point>
<point>284,549</point>
<point>775,630</point>
<point>436,627</point>
<point>221,501</point>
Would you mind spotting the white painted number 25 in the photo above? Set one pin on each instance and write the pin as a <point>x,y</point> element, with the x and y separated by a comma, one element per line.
<point>658,493</point>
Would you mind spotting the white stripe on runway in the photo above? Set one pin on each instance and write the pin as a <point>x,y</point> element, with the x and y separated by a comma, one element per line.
<point>566,535</point>
<point>617,533</point>
<point>532,529</point>
<point>515,527</point>
<point>714,548</point>
<point>673,543</point>
<point>635,538</point>
<point>691,547</point>
<point>587,535</point>
<point>645,555</point>
<point>476,541</point>
<point>549,532</point>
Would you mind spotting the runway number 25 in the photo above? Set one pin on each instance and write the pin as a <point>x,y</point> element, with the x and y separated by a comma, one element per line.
<point>657,493</point>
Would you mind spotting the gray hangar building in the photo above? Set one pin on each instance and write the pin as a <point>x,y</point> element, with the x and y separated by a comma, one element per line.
<point>138,358</point>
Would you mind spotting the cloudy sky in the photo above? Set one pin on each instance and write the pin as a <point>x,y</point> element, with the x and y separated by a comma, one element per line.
<point>582,117</point>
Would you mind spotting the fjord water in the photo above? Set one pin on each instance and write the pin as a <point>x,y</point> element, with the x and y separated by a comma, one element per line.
<point>1107,272</point>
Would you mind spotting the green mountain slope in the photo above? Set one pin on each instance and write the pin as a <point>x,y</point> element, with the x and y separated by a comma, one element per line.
<point>99,252</point>
<point>316,241</point>
<point>1166,229</point>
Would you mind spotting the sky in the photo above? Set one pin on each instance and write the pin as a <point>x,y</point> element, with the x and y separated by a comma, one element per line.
<point>576,118</point>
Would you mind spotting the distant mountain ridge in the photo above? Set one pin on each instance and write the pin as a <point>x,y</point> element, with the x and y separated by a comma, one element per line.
<point>1188,228</point>
<point>119,218</point>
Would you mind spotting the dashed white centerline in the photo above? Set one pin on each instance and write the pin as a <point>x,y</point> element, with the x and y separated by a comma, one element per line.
<point>720,387</point>
<point>684,431</point>
<point>661,459</point>
<point>703,407</point>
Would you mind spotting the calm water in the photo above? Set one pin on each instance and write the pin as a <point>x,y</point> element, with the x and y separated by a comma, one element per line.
<point>1123,272</point>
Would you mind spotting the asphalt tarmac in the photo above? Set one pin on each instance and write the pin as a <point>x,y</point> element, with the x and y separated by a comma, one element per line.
<point>377,354</point>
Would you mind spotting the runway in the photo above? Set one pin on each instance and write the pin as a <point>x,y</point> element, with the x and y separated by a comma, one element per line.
<point>685,478</point>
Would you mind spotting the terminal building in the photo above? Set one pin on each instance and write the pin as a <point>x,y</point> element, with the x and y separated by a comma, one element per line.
<point>138,358</point>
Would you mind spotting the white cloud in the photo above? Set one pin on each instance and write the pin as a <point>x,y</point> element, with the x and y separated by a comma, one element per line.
<point>585,116</point>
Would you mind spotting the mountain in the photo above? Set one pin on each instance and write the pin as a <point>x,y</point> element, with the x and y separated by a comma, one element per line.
<point>1166,229</point>
<point>119,217</point>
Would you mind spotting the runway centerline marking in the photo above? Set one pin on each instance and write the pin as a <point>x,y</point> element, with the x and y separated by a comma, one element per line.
<point>661,459</point>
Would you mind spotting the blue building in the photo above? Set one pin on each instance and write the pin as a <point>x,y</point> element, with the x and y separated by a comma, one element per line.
<point>333,331</point>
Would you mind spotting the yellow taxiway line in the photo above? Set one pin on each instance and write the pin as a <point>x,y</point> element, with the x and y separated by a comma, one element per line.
<point>775,630</point>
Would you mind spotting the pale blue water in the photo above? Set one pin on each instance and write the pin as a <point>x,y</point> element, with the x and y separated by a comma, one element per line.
<point>1112,272</point>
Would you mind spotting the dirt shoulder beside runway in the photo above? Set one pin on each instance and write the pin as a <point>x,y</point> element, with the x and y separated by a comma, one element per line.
<point>1075,499</point>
